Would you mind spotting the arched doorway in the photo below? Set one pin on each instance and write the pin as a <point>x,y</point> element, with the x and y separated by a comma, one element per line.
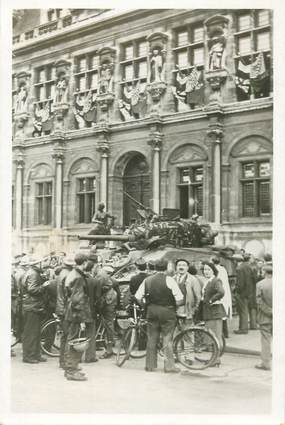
<point>136,182</point>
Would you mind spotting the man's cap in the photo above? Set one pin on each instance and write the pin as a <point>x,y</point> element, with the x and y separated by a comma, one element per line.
<point>151,265</point>
<point>182,259</point>
<point>68,260</point>
<point>161,264</point>
<point>79,258</point>
<point>246,256</point>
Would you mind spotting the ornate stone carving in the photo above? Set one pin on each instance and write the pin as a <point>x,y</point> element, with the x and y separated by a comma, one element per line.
<point>21,103</point>
<point>216,133</point>
<point>251,146</point>
<point>85,109</point>
<point>106,95</point>
<point>43,121</point>
<point>187,153</point>
<point>60,101</point>
<point>217,32</point>
<point>82,166</point>
<point>41,171</point>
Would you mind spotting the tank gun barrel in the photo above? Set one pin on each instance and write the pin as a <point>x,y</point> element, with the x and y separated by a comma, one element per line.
<point>142,206</point>
<point>120,238</point>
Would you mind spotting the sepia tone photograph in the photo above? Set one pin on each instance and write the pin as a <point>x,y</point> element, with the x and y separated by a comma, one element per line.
<point>142,210</point>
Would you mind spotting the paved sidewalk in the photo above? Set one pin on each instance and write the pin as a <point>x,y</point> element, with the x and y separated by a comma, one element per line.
<point>242,344</point>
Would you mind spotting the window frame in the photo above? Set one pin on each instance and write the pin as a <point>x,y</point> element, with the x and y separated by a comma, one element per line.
<point>193,185</point>
<point>133,61</point>
<point>85,194</point>
<point>86,73</point>
<point>44,196</point>
<point>256,180</point>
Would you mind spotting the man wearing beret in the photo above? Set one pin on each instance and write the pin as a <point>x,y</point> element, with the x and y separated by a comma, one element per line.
<point>264,316</point>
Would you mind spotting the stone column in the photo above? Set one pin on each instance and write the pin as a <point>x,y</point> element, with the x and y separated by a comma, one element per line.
<point>155,142</point>
<point>103,148</point>
<point>216,135</point>
<point>58,156</point>
<point>19,194</point>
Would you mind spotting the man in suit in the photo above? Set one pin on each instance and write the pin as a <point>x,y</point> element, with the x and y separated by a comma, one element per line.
<point>264,312</point>
<point>245,292</point>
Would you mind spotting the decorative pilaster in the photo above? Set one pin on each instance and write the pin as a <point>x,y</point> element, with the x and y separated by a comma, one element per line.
<point>19,161</point>
<point>216,134</point>
<point>104,149</point>
<point>58,154</point>
<point>155,141</point>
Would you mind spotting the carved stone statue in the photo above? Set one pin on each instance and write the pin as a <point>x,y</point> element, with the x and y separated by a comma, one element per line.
<point>21,103</point>
<point>217,45</point>
<point>106,78</point>
<point>156,66</point>
<point>61,90</point>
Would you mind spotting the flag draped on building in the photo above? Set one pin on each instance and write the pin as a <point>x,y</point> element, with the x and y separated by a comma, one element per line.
<point>242,80</point>
<point>259,76</point>
<point>190,87</point>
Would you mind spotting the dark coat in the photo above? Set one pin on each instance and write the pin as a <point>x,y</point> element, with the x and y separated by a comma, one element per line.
<point>33,292</point>
<point>214,291</point>
<point>245,286</point>
<point>78,307</point>
<point>61,300</point>
<point>136,281</point>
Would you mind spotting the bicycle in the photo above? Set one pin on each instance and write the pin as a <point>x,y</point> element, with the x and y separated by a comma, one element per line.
<point>195,347</point>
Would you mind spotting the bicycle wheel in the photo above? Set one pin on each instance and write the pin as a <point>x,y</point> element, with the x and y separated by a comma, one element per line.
<point>196,348</point>
<point>139,347</point>
<point>125,346</point>
<point>50,338</point>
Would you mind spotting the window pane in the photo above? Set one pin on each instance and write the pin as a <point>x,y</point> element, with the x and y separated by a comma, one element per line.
<point>142,50</point>
<point>248,199</point>
<point>264,169</point>
<point>48,188</point>
<point>182,59</point>
<point>91,206</point>
<point>264,197</point>
<point>185,175</point>
<point>182,38</point>
<point>94,62</point>
<point>244,45</point>
<point>129,72</point>
<point>263,17</point>
<point>263,41</point>
<point>51,91</point>
<point>53,73</point>
<point>41,93</point>
<point>82,64</point>
<point>41,75</point>
<point>198,174</point>
<point>81,208</point>
<point>90,184</point>
<point>40,188</point>
<point>94,80</point>
<point>82,83</point>
<point>48,211</point>
<point>142,71</point>
<point>244,22</point>
<point>40,210</point>
<point>198,34</point>
<point>248,170</point>
<point>198,56</point>
<point>129,52</point>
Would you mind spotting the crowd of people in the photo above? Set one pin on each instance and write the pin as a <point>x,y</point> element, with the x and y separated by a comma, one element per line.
<point>79,289</point>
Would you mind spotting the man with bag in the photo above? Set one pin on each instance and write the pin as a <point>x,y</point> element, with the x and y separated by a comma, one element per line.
<point>77,316</point>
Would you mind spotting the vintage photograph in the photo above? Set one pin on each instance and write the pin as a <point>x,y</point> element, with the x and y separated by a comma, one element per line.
<point>142,164</point>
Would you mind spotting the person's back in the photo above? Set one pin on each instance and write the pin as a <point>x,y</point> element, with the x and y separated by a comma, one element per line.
<point>157,290</point>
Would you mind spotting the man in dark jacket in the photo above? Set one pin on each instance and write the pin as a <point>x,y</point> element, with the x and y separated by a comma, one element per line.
<point>61,302</point>
<point>245,293</point>
<point>33,311</point>
<point>77,316</point>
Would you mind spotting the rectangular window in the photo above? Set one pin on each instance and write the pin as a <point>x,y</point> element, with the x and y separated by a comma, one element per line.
<point>263,41</point>
<point>256,189</point>
<point>94,80</point>
<point>44,203</point>
<point>82,65</point>
<point>198,58</point>
<point>94,61</point>
<point>263,18</point>
<point>129,72</point>
<point>244,22</point>
<point>142,71</point>
<point>198,34</point>
<point>86,76</point>
<point>142,49</point>
<point>182,38</point>
<point>86,199</point>
<point>191,191</point>
<point>129,52</point>
<point>82,83</point>
<point>182,59</point>
<point>244,45</point>
<point>41,76</point>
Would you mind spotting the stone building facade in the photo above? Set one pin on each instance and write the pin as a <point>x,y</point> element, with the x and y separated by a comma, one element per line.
<point>172,107</point>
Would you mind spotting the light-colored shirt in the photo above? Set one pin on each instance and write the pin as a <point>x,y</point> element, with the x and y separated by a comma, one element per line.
<point>170,283</point>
